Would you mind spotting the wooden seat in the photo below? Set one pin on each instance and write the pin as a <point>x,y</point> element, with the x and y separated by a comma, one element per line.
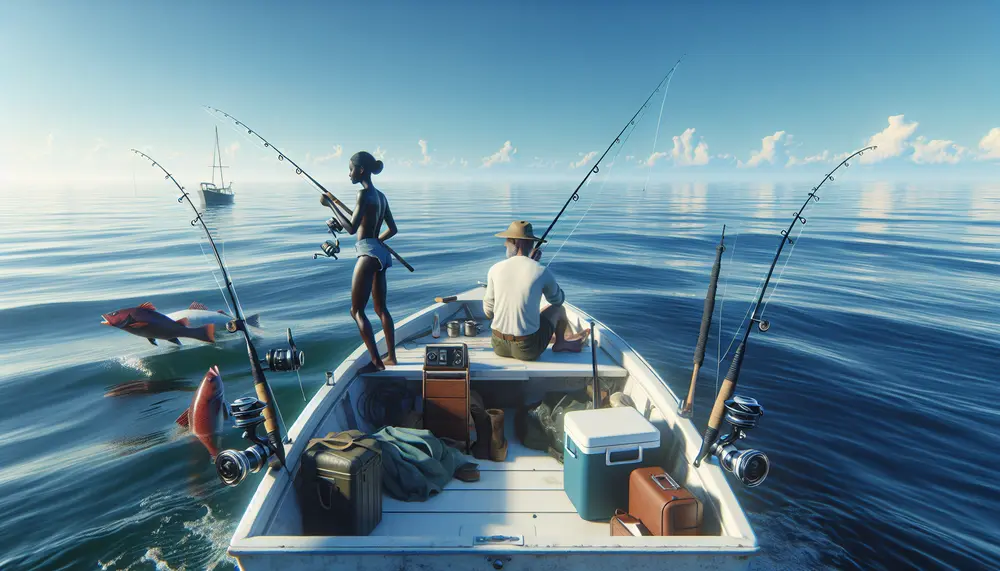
<point>484,364</point>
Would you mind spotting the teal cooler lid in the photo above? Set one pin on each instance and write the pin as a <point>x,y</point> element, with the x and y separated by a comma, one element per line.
<point>593,431</point>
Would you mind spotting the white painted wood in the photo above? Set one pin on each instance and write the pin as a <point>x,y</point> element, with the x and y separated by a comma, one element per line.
<point>513,480</point>
<point>505,523</point>
<point>454,499</point>
<point>266,535</point>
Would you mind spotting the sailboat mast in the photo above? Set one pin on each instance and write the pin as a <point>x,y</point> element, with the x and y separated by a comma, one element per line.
<point>213,154</point>
<point>219,151</point>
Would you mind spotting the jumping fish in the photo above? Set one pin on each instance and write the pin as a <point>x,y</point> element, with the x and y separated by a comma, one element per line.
<point>145,321</point>
<point>206,416</point>
<point>198,315</point>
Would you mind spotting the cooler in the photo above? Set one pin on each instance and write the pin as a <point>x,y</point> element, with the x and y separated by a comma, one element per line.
<point>600,450</point>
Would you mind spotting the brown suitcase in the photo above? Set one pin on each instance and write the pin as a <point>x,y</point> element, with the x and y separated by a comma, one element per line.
<point>625,524</point>
<point>665,507</point>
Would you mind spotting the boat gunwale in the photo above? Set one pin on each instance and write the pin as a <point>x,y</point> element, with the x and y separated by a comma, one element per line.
<point>250,538</point>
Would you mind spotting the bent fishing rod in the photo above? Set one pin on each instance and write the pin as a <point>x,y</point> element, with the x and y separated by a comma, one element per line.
<point>686,408</point>
<point>743,413</point>
<point>596,168</point>
<point>233,466</point>
<point>335,226</point>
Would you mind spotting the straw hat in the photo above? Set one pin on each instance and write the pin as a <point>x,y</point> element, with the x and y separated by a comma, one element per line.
<point>519,230</point>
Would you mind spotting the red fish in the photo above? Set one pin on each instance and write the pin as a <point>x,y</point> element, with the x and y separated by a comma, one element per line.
<point>145,321</point>
<point>208,411</point>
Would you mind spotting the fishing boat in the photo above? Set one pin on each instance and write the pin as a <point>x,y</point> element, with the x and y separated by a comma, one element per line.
<point>518,513</point>
<point>211,193</point>
<point>531,506</point>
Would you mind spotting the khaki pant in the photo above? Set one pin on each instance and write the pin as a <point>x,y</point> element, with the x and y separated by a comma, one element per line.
<point>527,349</point>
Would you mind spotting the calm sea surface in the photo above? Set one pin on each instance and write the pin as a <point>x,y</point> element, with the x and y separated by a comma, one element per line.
<point>878,375</point>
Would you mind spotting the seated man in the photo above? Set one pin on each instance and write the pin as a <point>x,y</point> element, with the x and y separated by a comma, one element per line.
<point>514,289</point>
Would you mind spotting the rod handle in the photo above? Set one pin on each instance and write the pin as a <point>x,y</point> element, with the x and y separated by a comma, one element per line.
<point>445,299</point>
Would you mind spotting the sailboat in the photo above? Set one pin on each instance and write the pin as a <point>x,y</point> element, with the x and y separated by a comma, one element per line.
<point>217,194</point>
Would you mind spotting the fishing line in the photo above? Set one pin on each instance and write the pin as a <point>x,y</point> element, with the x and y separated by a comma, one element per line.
<point>217,282</point>
<point>301,388</point>
<point>649,166</point>
<point>600,190</point>
<point>755,294</point>
<point>725,286</point>
<point>777,282</point>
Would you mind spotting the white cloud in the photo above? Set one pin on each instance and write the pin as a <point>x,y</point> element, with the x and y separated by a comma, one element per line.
<point>891,141</point>
<point>585,158</point>
<point>653,158</point>
<point>338,151</point>
<point>684,153</point>
<point>230,151</point>
<point>724,156</point>
<point>423,151</point>
<point>936,151</point>
<point>821,157</point>
<point>628,158</point>
<point>501,156</point>
<point>768,149</point>
<point>990,145</point>
<point>464,163</point>
<point>379,153</point>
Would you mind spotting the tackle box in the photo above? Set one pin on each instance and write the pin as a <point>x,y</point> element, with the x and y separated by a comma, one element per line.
<point>601,448</point>
<point>340,485</point>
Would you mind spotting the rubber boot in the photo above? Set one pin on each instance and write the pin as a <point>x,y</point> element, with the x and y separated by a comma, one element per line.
<point>484,429</point>
<point>498,444</point>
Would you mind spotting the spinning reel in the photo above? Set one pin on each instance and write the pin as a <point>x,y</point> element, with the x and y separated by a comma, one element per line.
<point>750,466</point>
<point>331,247</point>
<point>233,466</point>
<point>284,360</point>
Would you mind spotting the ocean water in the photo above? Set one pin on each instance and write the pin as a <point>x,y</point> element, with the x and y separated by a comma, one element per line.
<point>878,374</point>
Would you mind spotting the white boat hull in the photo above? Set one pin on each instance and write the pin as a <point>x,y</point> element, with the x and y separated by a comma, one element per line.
<point>525,505</point>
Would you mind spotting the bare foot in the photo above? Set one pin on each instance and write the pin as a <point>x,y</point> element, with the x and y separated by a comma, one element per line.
<point>578,336</point>
<point>389,361</point>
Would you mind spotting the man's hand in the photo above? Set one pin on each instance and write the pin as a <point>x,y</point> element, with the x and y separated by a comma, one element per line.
<point>536,255</point>
<point>327,199</point>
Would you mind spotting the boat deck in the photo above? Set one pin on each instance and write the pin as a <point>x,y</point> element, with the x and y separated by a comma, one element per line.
<point>484,364</point>
<point>522,496</point>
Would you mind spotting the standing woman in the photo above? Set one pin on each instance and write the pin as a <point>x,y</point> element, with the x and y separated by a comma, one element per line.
<point>371,211</point>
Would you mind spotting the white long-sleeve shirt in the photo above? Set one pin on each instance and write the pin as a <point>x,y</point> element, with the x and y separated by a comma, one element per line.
<point>514,289</point>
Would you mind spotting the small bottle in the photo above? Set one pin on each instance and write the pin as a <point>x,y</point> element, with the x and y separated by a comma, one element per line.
<point>436,329</point>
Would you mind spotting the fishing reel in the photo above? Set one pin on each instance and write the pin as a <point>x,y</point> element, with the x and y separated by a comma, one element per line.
<point>750,466</point>
<point>330,249</point>
<point>284,360</point>
<point>334,226</point>
<point>233,466</point>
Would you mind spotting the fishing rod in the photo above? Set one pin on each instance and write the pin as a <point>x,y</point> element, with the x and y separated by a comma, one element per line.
<point>743,413</point>
<point>686,408</point>
<point>329,248</point>
<point>596,168</point>
<point>232,465</point>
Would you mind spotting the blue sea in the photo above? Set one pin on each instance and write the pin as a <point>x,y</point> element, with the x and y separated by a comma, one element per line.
<point>878,374</point>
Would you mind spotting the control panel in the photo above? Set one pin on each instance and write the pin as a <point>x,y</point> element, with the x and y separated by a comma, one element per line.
<point>452,357</point>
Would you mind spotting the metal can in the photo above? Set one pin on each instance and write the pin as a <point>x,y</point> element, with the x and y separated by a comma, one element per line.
<point>454,329</point>
<point>471,328</point>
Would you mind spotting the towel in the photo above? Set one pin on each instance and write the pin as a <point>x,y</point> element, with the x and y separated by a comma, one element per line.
<point>416,464</point>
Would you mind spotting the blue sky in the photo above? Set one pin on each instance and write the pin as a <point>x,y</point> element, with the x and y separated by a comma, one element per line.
<point>537,86</point>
